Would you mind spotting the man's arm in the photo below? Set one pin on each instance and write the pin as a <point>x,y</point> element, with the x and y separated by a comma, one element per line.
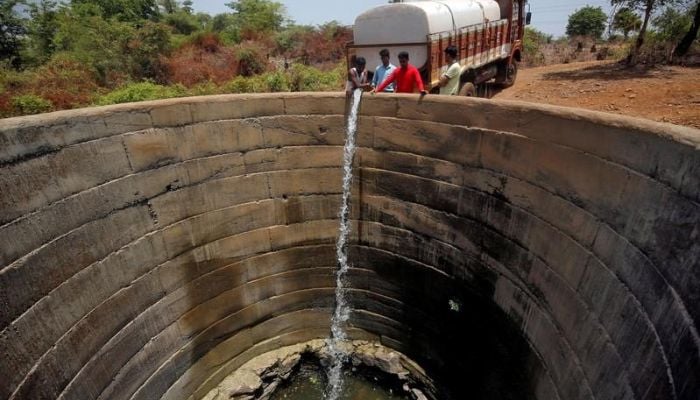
<point>449,74</point>
<point>355,79</point>
<point>374,77</point>
<point>387,81</point>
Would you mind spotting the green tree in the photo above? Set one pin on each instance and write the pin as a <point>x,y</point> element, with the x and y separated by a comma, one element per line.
<point>83,35</point>
<point>648,7</point>
<point>220,21</point>
<point>626,21</point>
<point>182,22</point>
<point>42,25</point>
<point>262,16</point>
<point>187,6</point>
<point>690,36</point>
<point>671,24</point>
<point>124,10</point>
<point>168,6</point>
<point>587,21</point>
<point>203,19</point>
<point>12,30</point>
<point>150,42</point>
<point>291,38</point>
<point>226,25</point>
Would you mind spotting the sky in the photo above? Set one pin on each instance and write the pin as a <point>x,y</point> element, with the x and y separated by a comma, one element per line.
<point>548,16</point>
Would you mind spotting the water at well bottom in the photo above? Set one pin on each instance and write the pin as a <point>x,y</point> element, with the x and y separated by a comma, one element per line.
<point>309,385</point>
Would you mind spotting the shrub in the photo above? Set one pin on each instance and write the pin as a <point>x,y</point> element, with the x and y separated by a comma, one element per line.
<point>203,89</point>
<point>238,84</point>
<point>242,84</point>
<point>252,59</point>
<point>207,41</point>
<point>65,82</point>
<point>94,41</point>
<point>141,91</point>
<point>276,82</point>
<point>5,105</point>
<point>30,104</point>
<point>12,83</point>
<point>309,79</point>
<point>533,43</point>
<point>325,43</point>
<point>150,44</point>
<point>11,79</point>
<point>203,59</point>
<point>182,22</point>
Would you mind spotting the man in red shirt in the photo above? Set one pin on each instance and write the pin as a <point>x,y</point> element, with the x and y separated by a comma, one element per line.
<point>406,77</point>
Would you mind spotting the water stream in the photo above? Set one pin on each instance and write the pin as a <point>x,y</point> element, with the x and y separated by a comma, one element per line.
<point>342,309</point>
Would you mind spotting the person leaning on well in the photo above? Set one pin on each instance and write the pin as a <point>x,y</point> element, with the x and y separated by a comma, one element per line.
<point>406,77</point>
<point>357,77</point>
<point>383,71</point>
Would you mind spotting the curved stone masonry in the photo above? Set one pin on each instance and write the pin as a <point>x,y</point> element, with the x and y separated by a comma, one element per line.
<point>148,250</point>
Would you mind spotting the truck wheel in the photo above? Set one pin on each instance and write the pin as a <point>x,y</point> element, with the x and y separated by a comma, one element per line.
<point>507,74</point>
<point>468,89</point>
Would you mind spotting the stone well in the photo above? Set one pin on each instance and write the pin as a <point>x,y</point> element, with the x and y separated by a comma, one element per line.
<point>148,250</point>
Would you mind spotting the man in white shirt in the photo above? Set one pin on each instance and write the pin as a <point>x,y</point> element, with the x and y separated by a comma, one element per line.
<point>382,71</point>
<point>449,81</point>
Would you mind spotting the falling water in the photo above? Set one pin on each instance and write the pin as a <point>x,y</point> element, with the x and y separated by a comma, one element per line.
<point>342,310</point>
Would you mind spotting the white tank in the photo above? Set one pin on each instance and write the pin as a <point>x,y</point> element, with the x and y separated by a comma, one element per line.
<point>412,22</point>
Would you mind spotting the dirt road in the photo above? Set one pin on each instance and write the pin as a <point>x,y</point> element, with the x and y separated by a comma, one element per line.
<point>662,93</point>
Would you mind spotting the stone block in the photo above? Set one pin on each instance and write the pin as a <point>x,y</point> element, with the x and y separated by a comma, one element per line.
<point>409,164</point>
<point>305,182</point>
<point>57,313</point>
<point>323,103</point>
<point>123,119</point>
<point>209,195</point>
<point>47,179</point>
<point>33,277</point>
<point>290,158</point>
<point>158,147</point>
<point>381,105</point>
<point>304,234</point>
<point>295,130</point>
<point>90,375</point>
<point>34,136</point>
<point>438,141</point>
<point>171,113</point>
<point>228,107</point>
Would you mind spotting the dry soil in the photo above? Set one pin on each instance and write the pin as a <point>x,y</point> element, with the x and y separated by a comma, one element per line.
<point>661,93</point>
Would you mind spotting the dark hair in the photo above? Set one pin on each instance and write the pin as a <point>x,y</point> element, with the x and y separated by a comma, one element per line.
<point>451,50</point>
<point>360,61</point>
<point>403,54</point>
<point>384,53</point>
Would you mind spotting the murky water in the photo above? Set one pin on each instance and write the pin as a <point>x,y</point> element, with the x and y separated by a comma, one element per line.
<point>310,385</point>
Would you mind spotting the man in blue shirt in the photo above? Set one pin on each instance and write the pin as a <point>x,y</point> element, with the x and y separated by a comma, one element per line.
<point>383,71</point>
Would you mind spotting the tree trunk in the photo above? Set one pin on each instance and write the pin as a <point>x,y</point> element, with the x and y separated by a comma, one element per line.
<point>634,56</point>
<point>689,37</point>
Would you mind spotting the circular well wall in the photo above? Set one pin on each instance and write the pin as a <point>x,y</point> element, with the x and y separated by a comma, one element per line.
<point>150,249</point>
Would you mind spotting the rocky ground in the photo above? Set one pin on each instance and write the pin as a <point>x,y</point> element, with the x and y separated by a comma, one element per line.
<point>661,93</point>
<point>260,377</point>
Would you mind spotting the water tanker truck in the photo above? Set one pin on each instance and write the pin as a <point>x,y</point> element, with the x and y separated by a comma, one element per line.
<point>487,33</point>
